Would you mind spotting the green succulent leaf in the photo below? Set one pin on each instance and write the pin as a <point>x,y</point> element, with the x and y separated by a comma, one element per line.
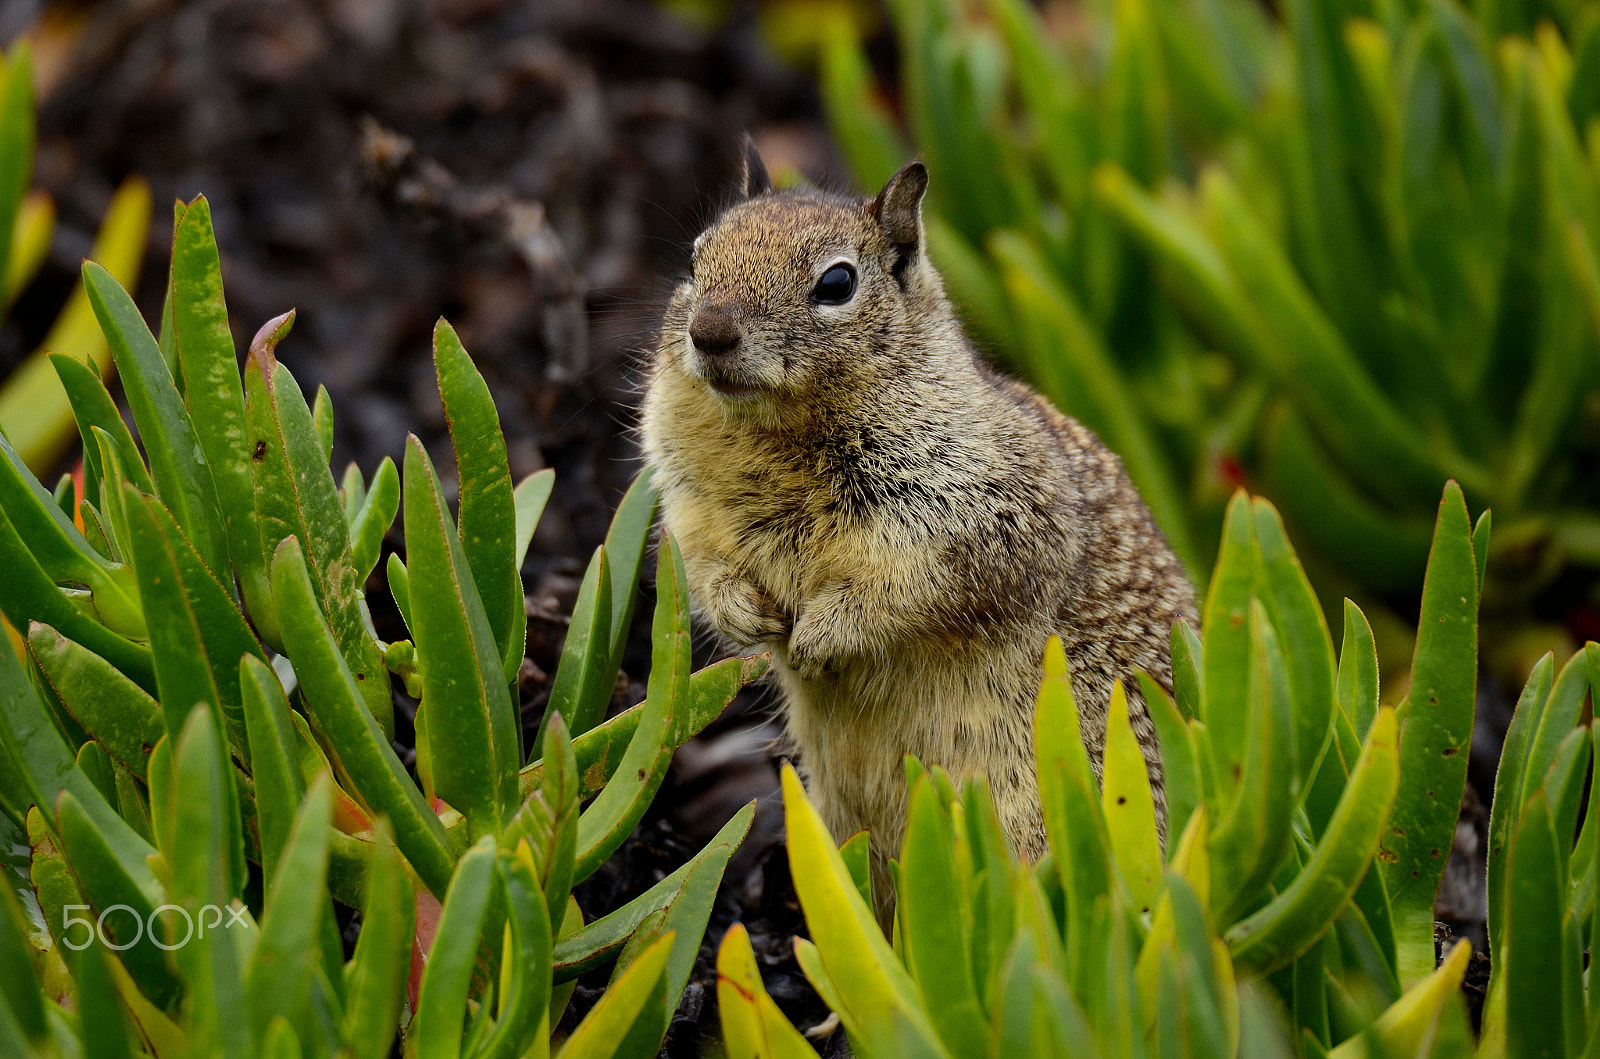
<point>20,991</point>
<point>295,496</point>
<point>374,516</point>
<point>626,542</point>
<point>377,974</point>
<point>336,705</point>
<point>530,497</point>
<point>1073,821</point>
<point>618,808</point>
<point>752,1024</point>
<point>29,594</point>
<point>876,991</point>
<point>524,991</point>
<point>93,406</point>
<point>463,688</point>
<point>442,1001</point>
<point>1179,769</point>
<point>178,464</point>
<point>1299,916</point>
<point>1436,728</point>
<point>602,1031</point>
<point>322,419</point>
<point>274,765</point>
<point>214,397</point>
<point>594,944</point>
<point>582,689</point>
<point>110,707</point>
<point>204,890</point>
<point>1357,681</point>
<point>279,979</point>
<point>937,934</point>
<point>488,506</point>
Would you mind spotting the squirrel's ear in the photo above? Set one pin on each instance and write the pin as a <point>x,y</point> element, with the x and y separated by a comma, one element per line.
<point>754,179</point>
<point>898,208</point>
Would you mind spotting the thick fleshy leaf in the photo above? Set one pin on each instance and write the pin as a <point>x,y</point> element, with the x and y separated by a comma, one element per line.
<point>377,974</point>
<point>1357,682</point>
<point>1531,964</point>
<point>178,464</point>
<point>112,708</point>
<point>274,764</point>
<point>16,141</point>
<point>279,978</point>
<point>1436,729</point>
<point>1072,817</point>
<point>614,813</point>
<point>47,767</point>
<point>531,495</point>
<point>399,586</point>
<point>63,552</point>
<point>603,1030</point>
<point>295,496</point>
<point>202,888</point>
<point>1506,808</point>
<point>1303,632</point>
<point>99,1007</point>
<point>374,516</point>
<point>93,406</point>
<point>464,692</point>
<point>583,682</point>
<point>1179,769</point>
<point>550,818</point>
<point>28,594</point>
<point>1253,835</point>
<point>855,851</point>
<point>488,513</point>
<point>214,395</point>
<point>1226,647</point>
<point>594,944</point>
<point>523,1016</point>
<point>322,419</point>
<point>874,986</point>
<point>1129,806</point>
<point>1294,920</point>
<point>19,989</point>
<point>442,1002</point>
<point>1186,671</point>
<point>336,705</point>
<point>936,930</point>
<point>1413,1021</point>
<point>684,919</point>
<point>752,1025</point>
<point>196,631</point>
<point>626,542</point>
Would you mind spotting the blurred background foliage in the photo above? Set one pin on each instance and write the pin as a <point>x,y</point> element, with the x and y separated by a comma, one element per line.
<point>1334,250</point>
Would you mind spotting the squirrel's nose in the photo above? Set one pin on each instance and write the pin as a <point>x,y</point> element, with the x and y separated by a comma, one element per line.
<point>714,330</point>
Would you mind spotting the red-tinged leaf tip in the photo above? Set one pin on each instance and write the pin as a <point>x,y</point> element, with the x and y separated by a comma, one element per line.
<point>272,332</point>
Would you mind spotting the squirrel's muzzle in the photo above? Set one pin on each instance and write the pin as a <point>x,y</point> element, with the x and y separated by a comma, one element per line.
<point>715,330</point>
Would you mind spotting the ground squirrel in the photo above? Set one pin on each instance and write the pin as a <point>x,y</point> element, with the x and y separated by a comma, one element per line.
<point>851,485</point>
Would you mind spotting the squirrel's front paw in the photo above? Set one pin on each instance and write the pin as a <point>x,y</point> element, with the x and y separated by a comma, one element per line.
<point>744,612</point>
<point>810,655</point>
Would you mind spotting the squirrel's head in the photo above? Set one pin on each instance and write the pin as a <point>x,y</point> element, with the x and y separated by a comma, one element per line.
<point>796,293</point>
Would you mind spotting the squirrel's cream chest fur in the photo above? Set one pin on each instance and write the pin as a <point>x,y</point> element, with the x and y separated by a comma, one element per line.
<point>850,485</point>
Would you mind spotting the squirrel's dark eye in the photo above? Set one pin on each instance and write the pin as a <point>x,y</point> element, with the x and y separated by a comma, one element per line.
<point>837,286</point>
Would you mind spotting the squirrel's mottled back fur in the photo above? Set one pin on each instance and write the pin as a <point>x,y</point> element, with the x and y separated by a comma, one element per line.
<point>851,485</point>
